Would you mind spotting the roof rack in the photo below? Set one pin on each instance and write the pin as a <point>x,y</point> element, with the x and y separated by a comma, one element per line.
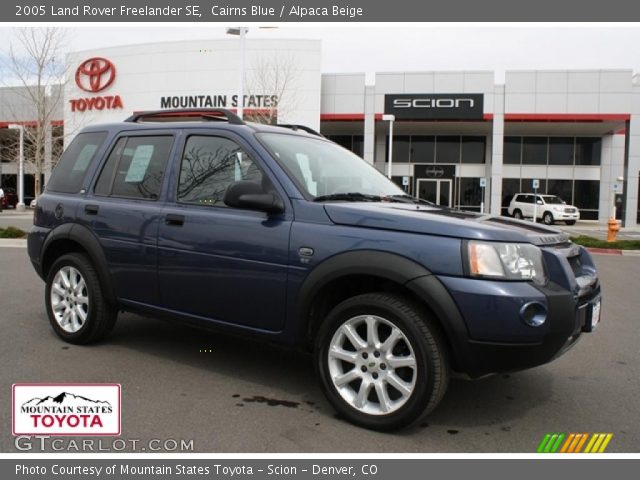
<point>184,114</point>
<point>304,128</point>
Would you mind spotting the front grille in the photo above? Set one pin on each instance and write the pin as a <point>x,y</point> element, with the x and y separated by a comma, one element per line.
<point>569,210</point>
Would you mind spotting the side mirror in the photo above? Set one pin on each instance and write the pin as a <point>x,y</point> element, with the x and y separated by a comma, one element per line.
<point>251,196</point>
<point>539,202</point>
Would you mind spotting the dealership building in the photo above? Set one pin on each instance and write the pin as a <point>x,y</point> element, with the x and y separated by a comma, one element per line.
<point>458,138</point>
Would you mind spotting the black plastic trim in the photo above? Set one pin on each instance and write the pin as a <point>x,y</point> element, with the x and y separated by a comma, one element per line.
<point>88,241</point>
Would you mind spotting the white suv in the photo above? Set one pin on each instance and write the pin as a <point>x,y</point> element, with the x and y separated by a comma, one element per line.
<point>549,208</point>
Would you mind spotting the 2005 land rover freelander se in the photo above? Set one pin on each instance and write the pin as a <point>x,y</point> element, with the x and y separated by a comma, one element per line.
<point>277,232</point>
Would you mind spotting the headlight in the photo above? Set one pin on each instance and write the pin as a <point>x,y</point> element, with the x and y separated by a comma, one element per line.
<point>511,261</point>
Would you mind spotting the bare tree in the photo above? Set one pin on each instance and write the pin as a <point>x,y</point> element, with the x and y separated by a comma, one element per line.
<point>34,67</point>
<point>273,77</point>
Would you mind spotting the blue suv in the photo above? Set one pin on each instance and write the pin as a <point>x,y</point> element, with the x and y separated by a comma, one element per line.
<point>277,232</point>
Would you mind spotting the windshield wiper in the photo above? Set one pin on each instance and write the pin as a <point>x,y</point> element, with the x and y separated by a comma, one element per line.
<point>404,198</point>
<point>349,197</point>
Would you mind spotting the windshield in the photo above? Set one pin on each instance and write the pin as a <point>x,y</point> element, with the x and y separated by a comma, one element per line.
<point>553,200</point>
<point>322,168</point>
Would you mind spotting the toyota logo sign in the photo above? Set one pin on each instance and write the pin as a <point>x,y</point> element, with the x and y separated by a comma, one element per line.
<point>95,74</point>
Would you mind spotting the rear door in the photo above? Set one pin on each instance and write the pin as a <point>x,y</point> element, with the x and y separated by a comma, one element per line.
<point>124,211</point>
<point>216,262</point>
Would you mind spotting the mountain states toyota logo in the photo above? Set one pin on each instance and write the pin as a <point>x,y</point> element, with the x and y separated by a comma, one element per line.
<point>95,74</point>
<point>66,409</point>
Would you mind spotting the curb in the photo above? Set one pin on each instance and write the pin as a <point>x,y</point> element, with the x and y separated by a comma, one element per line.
<point>614,251</point>
<point>13,242</point>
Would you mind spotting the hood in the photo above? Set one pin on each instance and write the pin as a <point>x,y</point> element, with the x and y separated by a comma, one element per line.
<point>433,220</point>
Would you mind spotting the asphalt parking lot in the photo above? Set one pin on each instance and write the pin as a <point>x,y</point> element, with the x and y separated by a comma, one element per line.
<point>241,396</point>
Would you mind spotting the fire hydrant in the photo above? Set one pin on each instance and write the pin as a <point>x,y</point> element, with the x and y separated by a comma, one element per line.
<point>612,230</point>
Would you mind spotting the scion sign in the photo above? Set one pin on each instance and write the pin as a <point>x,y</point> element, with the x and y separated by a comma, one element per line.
<point>435,106</point>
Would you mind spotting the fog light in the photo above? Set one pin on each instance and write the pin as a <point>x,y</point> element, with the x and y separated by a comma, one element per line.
<point>533,314</point>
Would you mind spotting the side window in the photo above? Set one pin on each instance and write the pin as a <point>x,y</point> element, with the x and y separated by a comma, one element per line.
<point>68,175</point>
<point>135,168</point>
<point>209,165</point>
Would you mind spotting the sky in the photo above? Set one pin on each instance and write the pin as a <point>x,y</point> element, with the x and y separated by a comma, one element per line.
<point>412,47</point>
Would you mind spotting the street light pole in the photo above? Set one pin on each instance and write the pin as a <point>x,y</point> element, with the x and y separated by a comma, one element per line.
<point>20,206</point>
<point>242,33</point>
<point>390,119</point>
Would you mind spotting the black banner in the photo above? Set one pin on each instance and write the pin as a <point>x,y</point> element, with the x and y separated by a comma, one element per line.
<point>272,11</point>
<point>435,106</point>
<point>310,469</point>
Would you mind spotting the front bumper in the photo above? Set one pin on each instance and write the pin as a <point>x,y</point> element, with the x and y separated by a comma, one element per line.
<point>566,216</point>
<point>496,336</point>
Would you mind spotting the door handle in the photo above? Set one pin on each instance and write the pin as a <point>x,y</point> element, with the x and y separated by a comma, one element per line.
<point>91,209</point>
<point>174,219</point>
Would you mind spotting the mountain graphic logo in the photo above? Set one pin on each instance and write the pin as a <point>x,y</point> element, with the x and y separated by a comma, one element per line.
<point>66,409</point>
<point>64,399</point>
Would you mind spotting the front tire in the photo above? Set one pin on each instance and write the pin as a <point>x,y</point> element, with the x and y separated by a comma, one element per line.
<point>382,361</point>
<point>76,307</point>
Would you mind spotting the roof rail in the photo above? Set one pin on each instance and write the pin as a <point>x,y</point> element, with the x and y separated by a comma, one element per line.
<point>304,128</point>
<point>209,114</point>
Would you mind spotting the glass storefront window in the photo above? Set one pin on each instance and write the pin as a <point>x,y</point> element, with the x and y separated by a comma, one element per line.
<point>586,196</point>
<point>534,150</point>
<point>473,150</point>
<point>588,150</point>
<point>512,150</point>
<point>470,193</point>
<point>510,186</point>
<point>447,149</point>
<point>358,145</point>
<point>561,188</point>
<point>401,148</point>
<point>561,150</point>
<point>422,149</point>
<point>527,185</point>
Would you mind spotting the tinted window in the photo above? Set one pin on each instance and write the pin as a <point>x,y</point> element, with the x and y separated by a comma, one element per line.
<point>400,148</point>
<point>561,151</point>
<point>470,192</point>
<point>527,185</point>
<point>588,151</point>
<point>448,149</point>
<point>209,165</point>
<point>473,149</point>
<point>586,197</point>
<point>510,186</point>
<point>534,150</point>
<point>561,188</point>
<point>135,168</point>
<point>422,149</point>
<point>68,175</point>
<point>358,145</point>
<point>512,150</point>
<point>105,180</point>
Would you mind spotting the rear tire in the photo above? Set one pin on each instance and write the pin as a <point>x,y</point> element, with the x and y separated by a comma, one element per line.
<point>77,309</point>
<point>517,214</point>
<point>547,218</point>
<point>382,361</point>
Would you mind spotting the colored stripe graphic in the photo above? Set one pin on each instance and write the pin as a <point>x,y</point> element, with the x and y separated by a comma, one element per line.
<point>574,443</point>
<point>550,443</point>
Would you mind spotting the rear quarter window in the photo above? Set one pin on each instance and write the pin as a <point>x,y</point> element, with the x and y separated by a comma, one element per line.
<point>72,167</point>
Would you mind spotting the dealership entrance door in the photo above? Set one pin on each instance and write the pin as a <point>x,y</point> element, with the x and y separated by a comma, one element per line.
<point>437,191</point>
